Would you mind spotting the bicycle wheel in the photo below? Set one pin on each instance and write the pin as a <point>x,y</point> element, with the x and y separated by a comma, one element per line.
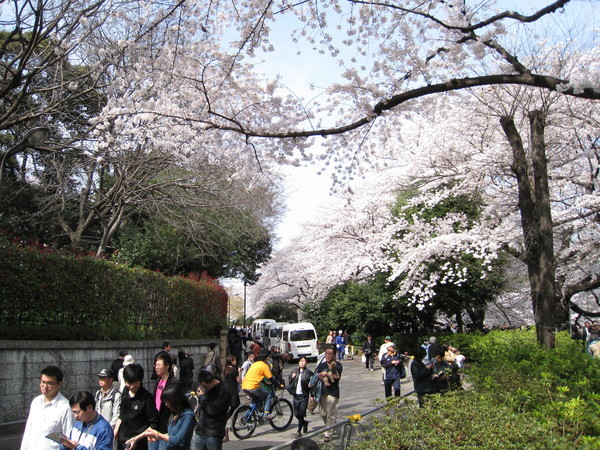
<point>243,422</point>
<point>283,412</point>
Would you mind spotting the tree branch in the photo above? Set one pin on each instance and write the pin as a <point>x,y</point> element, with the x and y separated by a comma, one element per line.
<point>468,29</point>
<point>455,84</point>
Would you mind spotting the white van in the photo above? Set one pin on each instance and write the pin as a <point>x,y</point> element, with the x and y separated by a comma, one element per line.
<point>273,332</point>
<point>300,339</point>
<point>258,329</point>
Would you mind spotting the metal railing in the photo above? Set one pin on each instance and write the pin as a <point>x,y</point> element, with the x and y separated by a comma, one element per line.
<point>348,426</point>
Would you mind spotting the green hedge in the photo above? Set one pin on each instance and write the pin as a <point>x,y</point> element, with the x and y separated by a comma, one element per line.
<point>519,396</point>
<point>44,295</point>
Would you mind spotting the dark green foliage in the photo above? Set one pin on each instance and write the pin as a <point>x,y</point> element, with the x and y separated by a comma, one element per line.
<point>474,293</point>
<point>44,295</point>
<point>230,245</point>
<point>22,213</point>
<point>520,396</point>
<point>365,308</point>
<point>154,247</point>
<point>460,420</point>
<point>280,311</point>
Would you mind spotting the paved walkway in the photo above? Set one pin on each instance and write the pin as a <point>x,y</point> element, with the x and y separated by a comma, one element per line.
<point>358,390</point>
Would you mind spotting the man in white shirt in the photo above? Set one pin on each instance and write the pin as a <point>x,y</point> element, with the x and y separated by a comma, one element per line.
<point>49,412</point>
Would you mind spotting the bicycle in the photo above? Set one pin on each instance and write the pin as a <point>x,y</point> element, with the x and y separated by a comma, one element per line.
<point>248,416</point>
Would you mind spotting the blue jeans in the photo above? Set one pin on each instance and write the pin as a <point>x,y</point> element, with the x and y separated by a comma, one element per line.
<point>369,361</point>
<point>157,445</point>
<point>388,385</point>
<point>341,351</point>
<point>206,442</point>
<point>261,394</point>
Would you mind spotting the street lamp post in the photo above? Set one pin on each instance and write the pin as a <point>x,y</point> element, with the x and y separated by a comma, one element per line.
<point>32,139</point>
<point>228,310</point>
<point>245,283</point>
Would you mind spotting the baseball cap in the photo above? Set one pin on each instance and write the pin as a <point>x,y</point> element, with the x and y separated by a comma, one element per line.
<point>105,373</point>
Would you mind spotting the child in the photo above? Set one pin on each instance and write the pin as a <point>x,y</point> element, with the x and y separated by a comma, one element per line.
<point>246,365</point>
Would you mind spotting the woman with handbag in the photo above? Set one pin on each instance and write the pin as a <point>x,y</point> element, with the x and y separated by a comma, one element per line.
<point>298,387</point>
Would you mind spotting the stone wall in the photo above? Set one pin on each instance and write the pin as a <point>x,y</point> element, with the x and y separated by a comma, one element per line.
<point>22,361</point>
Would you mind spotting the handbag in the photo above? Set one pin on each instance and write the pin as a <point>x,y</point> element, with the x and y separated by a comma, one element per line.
<point>291,388</point>
<point>402,371</point>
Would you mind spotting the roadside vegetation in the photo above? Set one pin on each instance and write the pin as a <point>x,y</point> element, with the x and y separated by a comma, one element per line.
<point>520,396</point>
<point>52,296</point>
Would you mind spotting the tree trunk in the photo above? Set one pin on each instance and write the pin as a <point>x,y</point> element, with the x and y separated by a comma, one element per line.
<point>547,301</point>
<point>477,316</point>
<point>536,222</point>
<point>459,321</point>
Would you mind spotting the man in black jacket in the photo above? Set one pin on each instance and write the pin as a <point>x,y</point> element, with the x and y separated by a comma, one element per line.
<point>213,403</point>
<point>393,364</point>
<point>421,375</point>
<point>117,365</point>
<point>186,370</point>
<point>369,352</point>
<point>432,348</point>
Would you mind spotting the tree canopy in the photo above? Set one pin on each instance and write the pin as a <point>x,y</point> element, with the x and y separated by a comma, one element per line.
<point>160,108</point>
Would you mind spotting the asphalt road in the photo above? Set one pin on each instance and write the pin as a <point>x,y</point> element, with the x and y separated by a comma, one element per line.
<point>358,390</point>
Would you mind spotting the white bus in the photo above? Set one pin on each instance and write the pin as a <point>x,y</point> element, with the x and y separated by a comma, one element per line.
<point>258,329</point>
<point>300,339</point>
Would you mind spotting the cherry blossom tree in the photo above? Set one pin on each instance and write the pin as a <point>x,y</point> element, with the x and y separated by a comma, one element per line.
<point>343,242</point>
<point>61,62</point>
<point>186,80</point>
<point>59,54</point>
<point>446,153</point>
<point>404,52</point>
<point>390,54</point>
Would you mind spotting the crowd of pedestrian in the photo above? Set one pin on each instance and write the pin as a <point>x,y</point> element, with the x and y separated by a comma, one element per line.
<point>174,412</point>
<point>432,367</point>
<point>178,412</point>
<point>340,342</point>
<point>123,414</point>
<point>589,333</point>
